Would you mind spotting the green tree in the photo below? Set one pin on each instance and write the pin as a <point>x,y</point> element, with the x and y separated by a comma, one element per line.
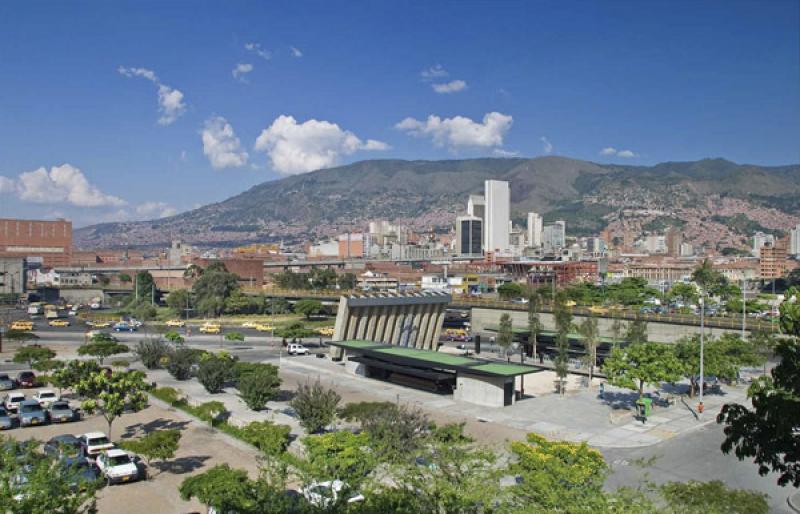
<point>33,354</point>
<point>173,337</point>
<point>340,455</point>
<point>213,288</point>
<point>308,307</point>
<point>315,406</point>
<point>534,323</point>
<point>240,303</point>
<point>295,329</point>
<point>722,358</point>
<point>151,352</point>
<point>144,287</point>
<point>505,335</point>
<point>73,373</point>
<point>510,290</point>
<point>396,432</point>
<point>259,386</point>
<point>347,281</point>
<point>158,444</point>
<point>558,476</point>
<point>767,433</point>
<point>224,489</point>
<point>179,362</point>
<point>179,301</point>
<point>124,277</point>
<point>710,280</point>
<point>712,497</point>
<point>682,292</point>
<point>563,321</point>
<point>49,485</point>
<point>234,337</point>
<point>20,336</point>
<point>617,329</point>
<point>645,363</point>
<point>214,371</point>
<point>111,395</point>
<point>636,332</point>
<point>211,411</point>
<point>101,346</point>
<point>590,338</point>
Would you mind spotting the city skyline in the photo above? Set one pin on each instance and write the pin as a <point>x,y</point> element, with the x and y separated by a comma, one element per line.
<point>245,90</point>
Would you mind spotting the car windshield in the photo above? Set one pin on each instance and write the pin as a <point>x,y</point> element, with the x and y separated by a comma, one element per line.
<point>4,377</point>
<point>97,441</point>
<point>60,406</point>
<point>119,460</point>
<point>26,374</point>
<point>47,395</point>
<point>31,408</point>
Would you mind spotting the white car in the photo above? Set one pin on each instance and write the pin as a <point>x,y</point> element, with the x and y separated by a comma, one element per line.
<point>323,494</point>
<point>46,397</point>
<point>117,466</point>
<point>95,443</point>
<point>297,349</point>
<point>13,400</point>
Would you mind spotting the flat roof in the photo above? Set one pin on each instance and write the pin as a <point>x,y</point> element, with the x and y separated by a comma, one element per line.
<point>430,359</point>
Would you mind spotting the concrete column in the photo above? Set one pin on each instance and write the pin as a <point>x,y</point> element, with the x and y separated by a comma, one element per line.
<point>398,327</point>
<point>352,323</point>
<point>363,316</point>
<point>415,332</point>
<point>391,318</point>
<point>425,318</point>
<point>380,328</point>
<point>372,322</point>
<point>435,326</point>
<point>340,328</point>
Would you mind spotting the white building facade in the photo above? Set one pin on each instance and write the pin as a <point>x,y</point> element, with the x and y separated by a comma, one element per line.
<point>497,216</point>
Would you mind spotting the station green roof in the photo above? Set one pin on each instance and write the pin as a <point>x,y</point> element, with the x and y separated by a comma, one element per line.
<point>434,360</point>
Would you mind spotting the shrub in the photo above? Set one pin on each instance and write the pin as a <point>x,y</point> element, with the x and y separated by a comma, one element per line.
<point>269,438</point>
<point>209,411</point>
<point>214,372</point>
<point>158,444</point>
<point>359,411</point>
<point>315,406</point>
<point>166,394</point>
<point>259,386</point>
<point>120,363</point>
<point>180,363</point>
<point>151,352</point>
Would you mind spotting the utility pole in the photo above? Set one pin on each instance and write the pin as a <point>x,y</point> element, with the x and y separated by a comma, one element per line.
<point>744,307</point>
<point>701,407</point>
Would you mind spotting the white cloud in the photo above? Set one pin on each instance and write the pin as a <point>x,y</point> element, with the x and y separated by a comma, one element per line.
<point>241,70</point>
<point>434,72</point>
<point>547,146</point>
<point>170,100</point>
<point>221,145</point>
<point>295,148</point>
<point>610,151</point>
<point>459,130</point>
<point>256,49</point>
<point>453,86</point>
<point>505,153</point>
<point>295,52</point>
<point>184,156</point>
<point>151,210</point>
<point>62,184</point>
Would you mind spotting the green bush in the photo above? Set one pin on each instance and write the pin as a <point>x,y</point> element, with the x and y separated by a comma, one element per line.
<point>315,406</point>
<point>180,362</point>
<point>167,394</point>
<point>359,411</point>
<point>151,352</point>
<point>269,438</point>
<point>259,386</point>
<point>214,372</point>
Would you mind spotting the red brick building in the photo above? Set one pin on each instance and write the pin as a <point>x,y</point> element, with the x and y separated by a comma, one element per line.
<point>48,241</point>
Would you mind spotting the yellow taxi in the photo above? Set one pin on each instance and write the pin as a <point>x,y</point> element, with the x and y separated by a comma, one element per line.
<point>598,310</point>
<point>22,325</point>
<point>325,331</point>
<point>175,323</point>
<point>250,324</point>
<point>261,327</point>
<point>210,328</point>
<point>59,323</point>
<point>98,324</point>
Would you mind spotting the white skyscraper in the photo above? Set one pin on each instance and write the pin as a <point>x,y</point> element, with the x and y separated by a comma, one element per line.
<point>497,216</point>
<point>534,230</point>
<point>794,241</point>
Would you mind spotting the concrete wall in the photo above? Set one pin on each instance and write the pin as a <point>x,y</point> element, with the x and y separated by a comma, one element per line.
<point>661,332</point>
<point>480,389</point>
<point>81,295</point>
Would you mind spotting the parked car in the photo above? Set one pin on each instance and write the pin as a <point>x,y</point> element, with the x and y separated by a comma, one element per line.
<point>124,327</point>
<point>7,382</point>
<point>58,323</point>
<point>6,421</point>
<point>61,412</point>
<point>31,413</point>
<point>210,328</point>
<point>26,379</point>
<point>117,466</point>
<point>94,443</point>
<point>249,324</point>
<point>65,447</point>
<point>98,324</point>
<point>175,323</point>
<point>12,401</point>
<point>297,349</point>
<point>324,494</point>
<point>46,397</point>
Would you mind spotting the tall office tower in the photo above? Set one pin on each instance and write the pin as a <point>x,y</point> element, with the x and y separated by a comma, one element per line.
<point>469,235</point>
<point>476,206</point>
<point>534,230</point>
<point>498,215</point>
<point>794,241</point>
<point>554,236</point>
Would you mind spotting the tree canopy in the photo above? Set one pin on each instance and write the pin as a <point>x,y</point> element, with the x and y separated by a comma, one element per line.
<point>636,365</point>
<point>213,288</point>
<point>112,394</point>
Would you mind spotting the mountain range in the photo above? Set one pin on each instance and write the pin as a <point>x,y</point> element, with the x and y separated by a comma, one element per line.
<point>429,194</point>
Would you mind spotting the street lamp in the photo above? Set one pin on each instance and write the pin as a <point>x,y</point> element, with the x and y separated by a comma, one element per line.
<point>700,407</point>
<point>744,307</point>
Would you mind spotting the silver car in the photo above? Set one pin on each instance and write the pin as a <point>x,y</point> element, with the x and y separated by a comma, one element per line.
<point>6,421</point>
<point>6,383</point>
<point>61,412</point>
<point>31,414</point>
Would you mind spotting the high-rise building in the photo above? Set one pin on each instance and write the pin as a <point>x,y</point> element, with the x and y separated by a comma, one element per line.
<point>45,242</point>
<point>534,230</point>
<point>476,206</point>
<point>794,241</point>
<point>554,236</point>
<point>761,239</point>
<point>469,235</point>
<point>497,216</point>
<point>772,260</point>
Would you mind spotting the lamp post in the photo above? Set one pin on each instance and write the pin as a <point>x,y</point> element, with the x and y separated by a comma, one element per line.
<point>701,407</point>
<point>744,306</point>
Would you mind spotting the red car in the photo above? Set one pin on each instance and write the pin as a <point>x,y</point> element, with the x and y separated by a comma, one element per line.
<point>26,379</point>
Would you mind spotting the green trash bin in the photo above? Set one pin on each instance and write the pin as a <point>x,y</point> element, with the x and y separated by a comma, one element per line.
<point>644,407</point>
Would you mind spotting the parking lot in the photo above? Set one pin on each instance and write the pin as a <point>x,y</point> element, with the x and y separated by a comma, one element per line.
<point>200,448</point>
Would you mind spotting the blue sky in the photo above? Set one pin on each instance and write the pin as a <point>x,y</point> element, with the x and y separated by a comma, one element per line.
<point>84,132</point>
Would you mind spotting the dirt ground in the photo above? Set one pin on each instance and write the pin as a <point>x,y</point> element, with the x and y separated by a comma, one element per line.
<point>200,449</point>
